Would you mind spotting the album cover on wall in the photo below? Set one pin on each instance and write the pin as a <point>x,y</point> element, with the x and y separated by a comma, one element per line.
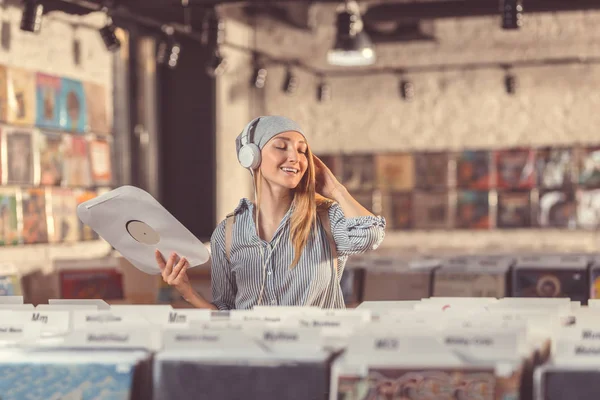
<point>9,217</point>
<point>105,284</point>
<point>47,101</point>
<point>77,169</point>
<point>358,172</point>
<point>10,285</point>
<point>101,162</point>
<point>432,210</point>
<point>51,145</point>
<point>557,209</point>
<point>97,107</point>
<point>588,209</point>
<point>21,96</point>
<point>432,170</point>
<point>515,168</point>
<point>73,106</point>
<point>20,160</point>
<point>554,167</point>
<point>514,210</point>
<point>473,210</point>
<point>395,171</point>
<point>3,93</point>
<point>85,232</point>
<point>35,224</point>
<point>589,167</point>
<point>398,210</point>
<point>473,170</point>
<point>64,221</point>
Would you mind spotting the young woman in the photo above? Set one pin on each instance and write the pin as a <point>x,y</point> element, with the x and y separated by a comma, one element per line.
<point>290,245</point>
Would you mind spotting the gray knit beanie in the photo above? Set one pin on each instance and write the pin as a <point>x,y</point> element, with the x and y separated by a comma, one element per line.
<point>266,128</point>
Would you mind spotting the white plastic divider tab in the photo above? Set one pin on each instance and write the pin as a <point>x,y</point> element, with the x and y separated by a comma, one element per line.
<point>199,341</point>
<point>50,322</point>
<point>84,320</point>
<point>11,300</point>
<point>102,305</point>
<point>114,337</point>
<point>17,307</point>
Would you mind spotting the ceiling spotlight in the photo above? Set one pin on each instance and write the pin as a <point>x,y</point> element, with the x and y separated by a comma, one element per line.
<point>216,64</point>
<point>109,36</point>
<point>352,46</point>
<point>512,14</point>
<point>510,83</point>
<point>259,78</point>
<point>323,92</point>
<point>290,83</point>
<point>31,19</point>
<point>407,90</point>
<point>168,49</point>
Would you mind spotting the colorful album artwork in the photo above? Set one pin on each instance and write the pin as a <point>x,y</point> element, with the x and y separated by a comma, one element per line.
<point>395,171</point>
<point>432,170</point>
<point>98,117</point>
<point>47,101</point>
<point>9,221</point>
<point>101,164</point>
<point>77,170</point>
<point>554,168</point>
<point>65,223</point>
<point>51,145</point>
<point>473,170</point>
<point>514,210</point>
<point>20,156</point>
<point>398,210</point>
<point>473,210</point>
<point>85,232</point>
<point>589,167</point>
<point>432,210</point>
<point>35,225</point>
<point>358,172</point>
<point>3,93</point>
<point>588,209</point>
<point>392,383</point>
<point>73,106</point>
<point>515,168</point>
<point>105,284</point>
<point>21,96</point>
<point>10,285</point>
<point>557,209</point>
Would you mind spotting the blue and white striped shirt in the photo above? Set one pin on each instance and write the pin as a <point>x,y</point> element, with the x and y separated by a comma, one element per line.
<point>236,284</point>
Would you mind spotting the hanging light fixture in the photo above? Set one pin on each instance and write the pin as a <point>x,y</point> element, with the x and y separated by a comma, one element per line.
<point>109,35</point>
<point>352,47</point>
<point>213,36</point>
<point>31,19</point>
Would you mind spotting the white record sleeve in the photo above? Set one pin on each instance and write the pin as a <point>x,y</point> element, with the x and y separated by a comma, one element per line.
<point>136,224</point>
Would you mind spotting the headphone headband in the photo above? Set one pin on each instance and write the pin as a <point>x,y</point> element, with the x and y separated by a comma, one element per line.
<point>249,128</point>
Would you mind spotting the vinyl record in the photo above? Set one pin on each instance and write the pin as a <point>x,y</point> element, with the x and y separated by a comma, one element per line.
<point>135,224</point>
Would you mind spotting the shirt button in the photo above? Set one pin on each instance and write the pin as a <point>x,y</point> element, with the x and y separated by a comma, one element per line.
<point>269,273</point>
<point>272,301</point>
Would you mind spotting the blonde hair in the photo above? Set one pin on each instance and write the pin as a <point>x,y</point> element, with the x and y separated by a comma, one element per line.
<point>306,202</point>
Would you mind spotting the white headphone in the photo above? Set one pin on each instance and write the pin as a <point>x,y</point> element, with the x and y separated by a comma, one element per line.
<point>249,153</point>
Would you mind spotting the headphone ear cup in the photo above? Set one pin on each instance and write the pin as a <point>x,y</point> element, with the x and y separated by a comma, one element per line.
<point>249,156</point>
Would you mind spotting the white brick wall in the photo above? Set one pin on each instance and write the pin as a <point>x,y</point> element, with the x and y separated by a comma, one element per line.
<point>51,52</point>
<point>453,109</point>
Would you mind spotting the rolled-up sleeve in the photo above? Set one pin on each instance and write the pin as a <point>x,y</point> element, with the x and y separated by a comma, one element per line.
<point>222,280</point>
<point>357,234</point>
